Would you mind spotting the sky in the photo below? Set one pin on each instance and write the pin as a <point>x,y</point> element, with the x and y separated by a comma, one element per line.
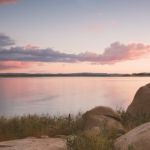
<point>66,36</point>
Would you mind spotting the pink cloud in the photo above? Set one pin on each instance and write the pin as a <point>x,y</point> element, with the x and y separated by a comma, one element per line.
<point>30,46</point>
<point>7,1</point>
<point>4,65</point>
<point>120,52</point>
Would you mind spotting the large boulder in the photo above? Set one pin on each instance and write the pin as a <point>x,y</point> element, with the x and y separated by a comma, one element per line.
<point>141,102</point>
<point>102,119</point>
<point>136,139</point>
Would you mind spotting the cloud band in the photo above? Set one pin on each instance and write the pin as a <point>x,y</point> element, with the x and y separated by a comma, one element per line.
<point>116,52</point>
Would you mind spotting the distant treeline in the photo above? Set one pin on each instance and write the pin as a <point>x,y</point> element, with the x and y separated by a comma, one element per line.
<point>73,75</point>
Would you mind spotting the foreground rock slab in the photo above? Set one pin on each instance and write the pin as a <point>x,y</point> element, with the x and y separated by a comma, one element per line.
<point>34,144</point>
<point>141,102</point>
<point>136,139</point>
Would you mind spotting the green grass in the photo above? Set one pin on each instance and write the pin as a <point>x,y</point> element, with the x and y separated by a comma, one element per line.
<point>36,126</point>
<point>132,121</point>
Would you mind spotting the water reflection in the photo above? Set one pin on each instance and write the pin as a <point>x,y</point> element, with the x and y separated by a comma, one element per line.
<point>65,95</point>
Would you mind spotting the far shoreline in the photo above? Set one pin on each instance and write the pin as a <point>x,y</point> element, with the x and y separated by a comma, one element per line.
<point>16,75</point>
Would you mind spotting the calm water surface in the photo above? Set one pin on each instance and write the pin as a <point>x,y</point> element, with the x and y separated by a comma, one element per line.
<point>64,95</point>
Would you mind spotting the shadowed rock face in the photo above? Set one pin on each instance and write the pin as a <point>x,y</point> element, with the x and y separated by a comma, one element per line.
<point>101,118</point>
<point>136,139</point>
<point>141,102</point>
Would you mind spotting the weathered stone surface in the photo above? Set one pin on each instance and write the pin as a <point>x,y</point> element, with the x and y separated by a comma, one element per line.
<point>102,110</point>
<point>136,139</point>
<point>101,118</point>
<point>34,144</point>
<point>141,102</point>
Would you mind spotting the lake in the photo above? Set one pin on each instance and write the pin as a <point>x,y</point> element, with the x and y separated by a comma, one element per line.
<point>64,95</point>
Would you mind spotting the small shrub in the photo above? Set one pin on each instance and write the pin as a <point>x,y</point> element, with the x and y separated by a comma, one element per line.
<point>91,143</point>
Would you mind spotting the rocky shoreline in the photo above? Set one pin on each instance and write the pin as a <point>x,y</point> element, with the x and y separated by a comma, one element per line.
<point>100,123</point>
